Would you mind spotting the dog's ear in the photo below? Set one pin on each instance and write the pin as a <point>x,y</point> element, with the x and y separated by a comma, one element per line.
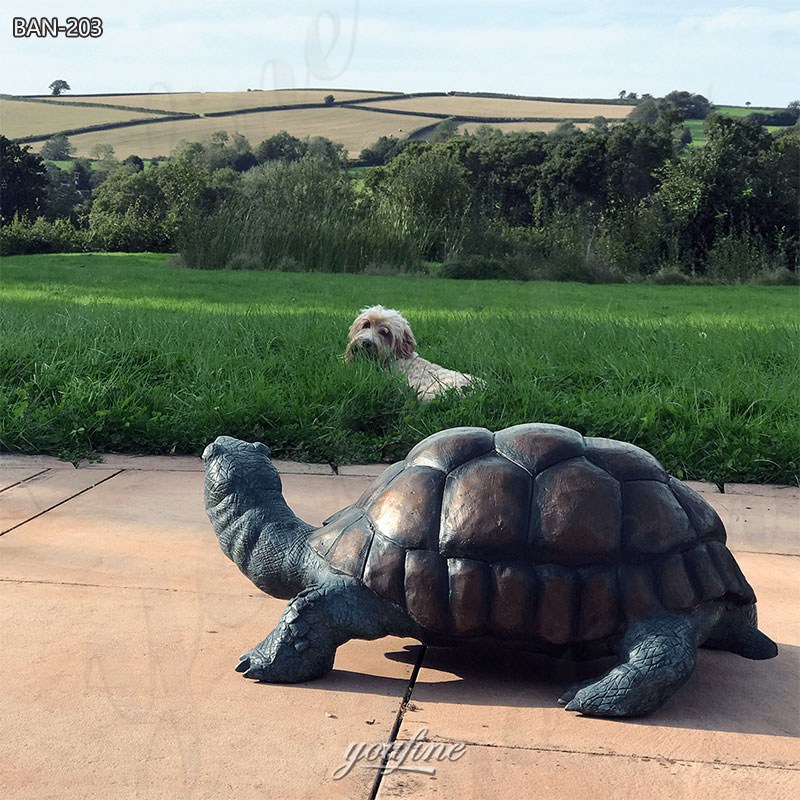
<point>348,353</point>
<point>407,344</point>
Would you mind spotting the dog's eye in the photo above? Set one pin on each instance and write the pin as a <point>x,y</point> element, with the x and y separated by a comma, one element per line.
<point>383,332</point>
<point>365,325</point>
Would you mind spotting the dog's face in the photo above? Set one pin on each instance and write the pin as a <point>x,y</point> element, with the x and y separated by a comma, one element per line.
<point>380,333</point>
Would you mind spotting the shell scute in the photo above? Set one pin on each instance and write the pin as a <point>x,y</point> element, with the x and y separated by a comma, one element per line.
<point>703,573</point>
<point>599,605</point>
<point>450,448</point>
<point>537,446</point>
<point>674,585</point>
<point>470,584</point>
<point>557,604</point>
<point>704,519</point>
<point>408,511</point>
<point>513,604</point>
<point>427,589</point>
<point>653,521</point>
<point>323,539</point>
<point>486,510</point>
<point>639,598</point>
<point>626,462</point>
<point>384,570</point>
<point>577,515</point>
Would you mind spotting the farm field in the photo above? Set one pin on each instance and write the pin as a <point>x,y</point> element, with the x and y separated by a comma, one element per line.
<point>514,127</point>
<point>19,118</point>
<point>456,106</point>
<point>354,129</point>
<point>127,353</point>
<point>206,102</point>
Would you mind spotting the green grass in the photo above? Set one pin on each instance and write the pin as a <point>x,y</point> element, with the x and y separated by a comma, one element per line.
<point>696,126</point>
<point>737,111</point>
<point>125,353</point>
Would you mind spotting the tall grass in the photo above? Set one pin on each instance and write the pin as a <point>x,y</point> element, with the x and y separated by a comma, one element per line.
<point>123,353</point>
<point>303,215</point>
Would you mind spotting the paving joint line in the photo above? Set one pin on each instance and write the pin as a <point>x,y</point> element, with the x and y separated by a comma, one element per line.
<point>398,721</point>
<point>80,584</point>
<point>661,759</point>
<point>25,480</point>
<point>61,502</point>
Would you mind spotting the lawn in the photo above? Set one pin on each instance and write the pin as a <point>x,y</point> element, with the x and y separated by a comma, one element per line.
<point>127,353</point>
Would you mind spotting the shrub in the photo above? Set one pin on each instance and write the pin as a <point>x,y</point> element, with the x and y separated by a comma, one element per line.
<point>23,237</point>
<point>739,258</point>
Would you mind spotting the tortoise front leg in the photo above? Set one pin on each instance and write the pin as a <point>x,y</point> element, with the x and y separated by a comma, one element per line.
<point>659,656</point>
<point>303,644</point>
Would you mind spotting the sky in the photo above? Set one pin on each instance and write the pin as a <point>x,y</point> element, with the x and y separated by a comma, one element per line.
<point>731,53</point>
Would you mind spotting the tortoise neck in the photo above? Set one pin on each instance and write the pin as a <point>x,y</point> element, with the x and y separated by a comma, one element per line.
<point>266,540</point>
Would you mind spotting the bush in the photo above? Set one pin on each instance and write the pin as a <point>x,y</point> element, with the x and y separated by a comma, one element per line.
<point>739,258</point>
<point>23,237</point>
<point>131,232</point>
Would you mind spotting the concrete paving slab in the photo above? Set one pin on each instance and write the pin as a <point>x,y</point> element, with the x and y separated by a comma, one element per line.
<point>132,693</point>
<point>124,619</point>
<point>44,491</point>
<point>759,523</point>
<point>13,460</point>
<point>514,773</point>
<point>148,529</point>
<point>11,476</point>
<point>363,470</point>
<point>150,463</point>
<point>764,490</point>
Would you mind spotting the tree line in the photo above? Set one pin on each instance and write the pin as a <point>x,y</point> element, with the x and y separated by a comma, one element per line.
<point>622,201</point>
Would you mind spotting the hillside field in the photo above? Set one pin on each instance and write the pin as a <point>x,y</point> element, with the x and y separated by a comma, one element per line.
<point>357,119</point>
<point>18,118</point>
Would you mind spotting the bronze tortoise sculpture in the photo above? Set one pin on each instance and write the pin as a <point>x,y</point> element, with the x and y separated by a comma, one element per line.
<point>534,536</point>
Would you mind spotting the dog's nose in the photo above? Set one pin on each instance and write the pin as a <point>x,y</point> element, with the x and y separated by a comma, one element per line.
<point>367,344</point>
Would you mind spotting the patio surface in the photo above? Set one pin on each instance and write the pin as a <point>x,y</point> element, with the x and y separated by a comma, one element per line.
<point>122,621</point>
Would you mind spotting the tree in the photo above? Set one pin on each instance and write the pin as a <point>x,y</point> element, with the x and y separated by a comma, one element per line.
<point>102,152</point>
<point>688,105</point>
<point>135,163</point>
<point>329,99</point>
<point>23,180</point>
<point>281,147</point>
<point>57,148</point>
<point>382,151</point>
<point>56,87</point>
<point>446,129</point>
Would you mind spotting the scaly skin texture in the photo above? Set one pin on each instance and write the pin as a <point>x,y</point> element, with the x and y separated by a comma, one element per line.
<point>260,533</point>
<point>303,644</point>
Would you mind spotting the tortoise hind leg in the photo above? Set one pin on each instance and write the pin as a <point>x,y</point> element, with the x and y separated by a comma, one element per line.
<point>737,632</point>
<point>320,618</point>
<point>659,656</point>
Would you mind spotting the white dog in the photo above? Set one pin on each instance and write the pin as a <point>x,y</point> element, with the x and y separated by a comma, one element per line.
<point>385,335</point>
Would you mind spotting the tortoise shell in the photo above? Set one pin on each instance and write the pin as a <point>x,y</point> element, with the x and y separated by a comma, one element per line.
<point>534,533</point>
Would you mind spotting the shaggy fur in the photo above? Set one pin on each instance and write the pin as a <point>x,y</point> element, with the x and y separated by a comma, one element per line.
<point>385,335</point>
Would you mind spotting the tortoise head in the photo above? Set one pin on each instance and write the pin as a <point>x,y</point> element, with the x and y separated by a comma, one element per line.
<point>234,467</point>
